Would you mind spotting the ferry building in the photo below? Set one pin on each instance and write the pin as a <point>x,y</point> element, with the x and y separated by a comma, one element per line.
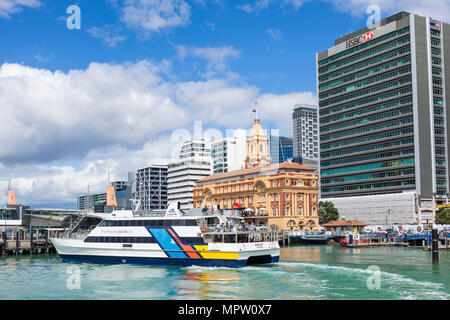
<point>283,194</point>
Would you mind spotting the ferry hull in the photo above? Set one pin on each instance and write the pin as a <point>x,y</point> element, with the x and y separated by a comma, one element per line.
<point>210,255</point>
<point>164,261</point>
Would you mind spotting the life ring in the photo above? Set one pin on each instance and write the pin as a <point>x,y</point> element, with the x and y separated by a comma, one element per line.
<point>212,210</point>
<point>232,212</point>
<point>419,229</point>
<point>204,228</point>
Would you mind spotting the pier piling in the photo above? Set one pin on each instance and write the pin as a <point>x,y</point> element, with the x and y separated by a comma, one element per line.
<point>435,246</point>
<point>46,242</point>
<point>17,242</point>
<point>4,249</point>
<point>31,241</point>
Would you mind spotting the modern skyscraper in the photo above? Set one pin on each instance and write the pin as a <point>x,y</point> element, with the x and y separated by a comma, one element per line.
<point>151,187</point>
<point>383,94</point>
<point>194,164</point>
<point>228,154</point>
<point>281,149</point>
<point>306,134</point>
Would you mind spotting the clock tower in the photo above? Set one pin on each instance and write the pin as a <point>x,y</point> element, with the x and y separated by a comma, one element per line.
<point>257,147</point>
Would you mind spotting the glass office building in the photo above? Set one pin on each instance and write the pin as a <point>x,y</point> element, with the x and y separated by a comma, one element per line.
<point>281,149</point>
<point>383,118</point>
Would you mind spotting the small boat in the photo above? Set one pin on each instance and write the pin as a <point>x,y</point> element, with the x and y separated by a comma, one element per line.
<point>198,236</point>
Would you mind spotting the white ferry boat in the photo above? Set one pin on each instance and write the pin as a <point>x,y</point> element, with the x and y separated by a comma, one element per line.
<point>204,237</point>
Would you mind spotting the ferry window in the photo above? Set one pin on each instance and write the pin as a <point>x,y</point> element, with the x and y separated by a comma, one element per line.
<point>120,223</point>
<point>212,221</point>
<point>167,223</point>
<point>191,223</point>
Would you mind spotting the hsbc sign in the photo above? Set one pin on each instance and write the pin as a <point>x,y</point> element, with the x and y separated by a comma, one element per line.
<point>358,40</point>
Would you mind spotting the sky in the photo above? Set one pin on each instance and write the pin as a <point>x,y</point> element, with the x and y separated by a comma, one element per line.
<point>127,85</point>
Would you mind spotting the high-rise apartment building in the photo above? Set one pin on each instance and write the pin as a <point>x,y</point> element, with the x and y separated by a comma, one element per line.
<point>151,187</point>
<point>194,164</point>
<point>306,134</point>
<point>383,94</point>
<point>229,154</point>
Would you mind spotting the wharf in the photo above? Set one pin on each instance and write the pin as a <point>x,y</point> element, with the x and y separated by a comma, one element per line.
<point>21,244</point>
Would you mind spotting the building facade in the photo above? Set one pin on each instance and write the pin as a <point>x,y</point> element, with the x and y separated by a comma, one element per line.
<point>284,194</point>
<point>124,192</point>
<point>383,118</point>
<point>229,154</point>
<point>151,187</point>
<point>305,125</point>
<point>195,163</point>
<point>281,149</point>
<point>92,199</point>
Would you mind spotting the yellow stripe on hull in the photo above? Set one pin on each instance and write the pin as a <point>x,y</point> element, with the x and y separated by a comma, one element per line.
<point>203,251</point>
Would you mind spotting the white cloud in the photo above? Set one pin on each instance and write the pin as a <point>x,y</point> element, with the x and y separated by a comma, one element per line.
<point>295,3</point>
<point>216,58</point>
<point>255,6</point>
<point>259,5</point>
<point>109,34</point>
<point>437,9</point>
<point>8,7</point>
<point>63,131</point>
<point>155,15</point>
<point>274,33</point>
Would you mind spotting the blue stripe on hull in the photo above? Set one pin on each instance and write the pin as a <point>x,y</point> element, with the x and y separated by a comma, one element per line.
<point>156,261</point>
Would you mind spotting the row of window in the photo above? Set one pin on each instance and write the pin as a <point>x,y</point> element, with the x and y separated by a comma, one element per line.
<point>383,76</point>
<point>371,90</point>
<point>371,166</point>
<point>362,111</point>
<point>365,54</point>
<point>376,146</point>
<point>363,64</point>
<point>379,185</point>
<point>436,52</point>
<point>364,45</point>
<point>367,100</point>
<point>363,130</point>
<point>137,239</point>
<point>376,117</point>
<point>382,135</point>
<point>368,157</point>
<point>149,223</point>
<point>435,42</point>
<point>369,176</point>
<point>367,72</point>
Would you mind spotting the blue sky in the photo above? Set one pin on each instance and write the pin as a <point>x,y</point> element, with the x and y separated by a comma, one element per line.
<point>38,37</point>
<point>124,90</point>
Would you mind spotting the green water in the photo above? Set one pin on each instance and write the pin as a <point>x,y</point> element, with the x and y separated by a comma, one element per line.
<point>304,272</point>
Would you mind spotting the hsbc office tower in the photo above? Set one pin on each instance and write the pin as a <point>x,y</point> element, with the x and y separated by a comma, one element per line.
<point>384,123</point>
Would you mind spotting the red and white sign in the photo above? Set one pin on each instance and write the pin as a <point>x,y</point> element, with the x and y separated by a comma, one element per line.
<point>368,35</point>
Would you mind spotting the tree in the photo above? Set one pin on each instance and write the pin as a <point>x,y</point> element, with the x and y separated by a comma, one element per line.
<point>443,217</point>
<point>327,212</point>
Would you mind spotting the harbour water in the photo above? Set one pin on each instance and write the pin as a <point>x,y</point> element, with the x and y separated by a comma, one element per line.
<point>304,272</point>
